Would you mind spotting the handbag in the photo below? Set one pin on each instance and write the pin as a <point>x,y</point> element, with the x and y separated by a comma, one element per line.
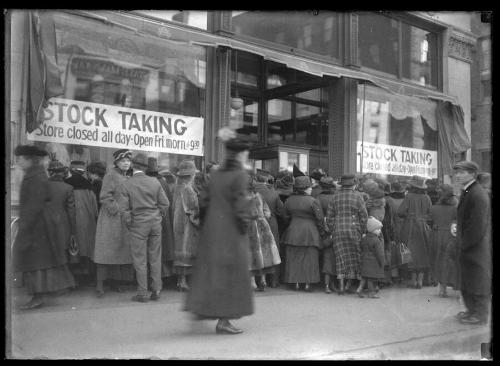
<point>73,248</point>
<point>405,253</point>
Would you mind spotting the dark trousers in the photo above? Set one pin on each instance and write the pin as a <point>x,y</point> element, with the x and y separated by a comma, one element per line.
<point>477,305</point>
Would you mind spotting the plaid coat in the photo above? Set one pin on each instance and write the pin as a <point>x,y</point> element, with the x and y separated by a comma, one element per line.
<point>346,219</point>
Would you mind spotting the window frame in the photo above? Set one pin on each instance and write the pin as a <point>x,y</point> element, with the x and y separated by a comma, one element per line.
<point>414,21</point>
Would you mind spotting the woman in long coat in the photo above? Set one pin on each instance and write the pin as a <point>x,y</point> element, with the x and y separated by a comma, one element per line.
<point>346,219</point>
<point>86,217</point>
<point>394,200</point>
<point>186,222</point>
<point>220,286</point>
<point>273,201</point>
<point>303,236</point>
<point>45,225</point>
<point>328,256</point>
<point>112,253</point>
<point>443,214</point>
<point>415,231</point>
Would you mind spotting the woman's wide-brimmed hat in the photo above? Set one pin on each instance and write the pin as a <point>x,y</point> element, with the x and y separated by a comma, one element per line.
<point>29,150</point>
<point>187,167</point>
<point>122,153</point>
<point>418,182</point>
<point>140,161</point>
<point>55,166</point>
<point>327,182</point>
<point>348,180</point>
<point>303,182</point>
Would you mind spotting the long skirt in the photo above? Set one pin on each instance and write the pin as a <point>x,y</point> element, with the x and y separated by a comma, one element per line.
<point>48,280</point>
<point>329,267</point>
<point>302,264</point>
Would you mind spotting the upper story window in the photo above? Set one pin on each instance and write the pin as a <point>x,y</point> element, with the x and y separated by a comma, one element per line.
<point>196,19</point>
<point>395,47</point>
<point>313,32</point>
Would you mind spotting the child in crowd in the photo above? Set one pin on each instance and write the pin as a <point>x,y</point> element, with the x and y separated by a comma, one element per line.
<point>372,258</point>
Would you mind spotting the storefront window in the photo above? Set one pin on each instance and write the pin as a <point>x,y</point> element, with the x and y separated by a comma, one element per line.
<point>246,119</point>
<point>396,135</point>
<point>304,30</point>
<point>196,19</point>
<point>279,119</point>
<point>378,42</point>
<point>149,87</point>
<point>419,55</point>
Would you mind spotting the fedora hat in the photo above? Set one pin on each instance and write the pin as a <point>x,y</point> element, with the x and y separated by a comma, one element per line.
<point>187,167</point>
<point>417,182</point>
<point>140,160</point>
<point>55,166</point>
<point>97,167</point>
<point>303,182</point>
<point>327,182</point>
<point>348,180</point>
<point>29,150</point>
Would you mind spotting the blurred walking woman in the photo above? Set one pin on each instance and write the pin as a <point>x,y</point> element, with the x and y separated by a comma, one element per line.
<point>220,287</point>
<point>112,251</point>
<point>303,235</point>
<point>39,251</point>
<point>415,231</point>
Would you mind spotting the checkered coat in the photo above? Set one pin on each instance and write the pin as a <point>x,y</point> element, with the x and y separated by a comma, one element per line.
<point>346,219</point>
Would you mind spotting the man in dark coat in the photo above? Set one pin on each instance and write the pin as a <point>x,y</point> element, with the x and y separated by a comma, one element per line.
<point>474,240</point>
<point>143,203</point>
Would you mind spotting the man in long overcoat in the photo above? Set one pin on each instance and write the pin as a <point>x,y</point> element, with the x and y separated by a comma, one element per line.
<point>474,240</point>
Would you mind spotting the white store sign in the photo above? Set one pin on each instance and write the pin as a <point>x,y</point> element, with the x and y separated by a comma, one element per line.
<point>396,160</point>
<point>83,123</point>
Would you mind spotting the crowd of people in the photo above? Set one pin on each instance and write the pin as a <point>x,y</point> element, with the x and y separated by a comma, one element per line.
<point>231,230</point>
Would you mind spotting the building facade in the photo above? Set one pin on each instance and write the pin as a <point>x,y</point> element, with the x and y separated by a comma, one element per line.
<point>368,92</point>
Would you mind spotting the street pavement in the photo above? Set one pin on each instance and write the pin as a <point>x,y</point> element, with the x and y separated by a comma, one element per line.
<point>287,325</point>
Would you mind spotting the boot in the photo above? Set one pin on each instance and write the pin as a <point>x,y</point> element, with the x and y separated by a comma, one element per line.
<point>420,280</point>
<point>341,287</point>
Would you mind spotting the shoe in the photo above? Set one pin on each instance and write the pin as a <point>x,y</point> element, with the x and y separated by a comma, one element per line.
<point>140,298</point>
<point>297,288</point>
<point>341,292</point>
<point>32,304</point>
<point>227,329</point>
<point>360,294</point>
<point>307,288</point>
<point>155,296</point>
<point>472,320</point>
<point>418,286</point>
<point>327,289</point>
<point>463,314</point>
<point>373,296</point>
<point>99,293</point>
<point>116,288</point>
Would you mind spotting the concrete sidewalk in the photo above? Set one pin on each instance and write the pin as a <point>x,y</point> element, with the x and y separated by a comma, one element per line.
<point>402,324</point>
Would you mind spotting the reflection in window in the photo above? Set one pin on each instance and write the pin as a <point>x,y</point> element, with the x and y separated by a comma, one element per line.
<point>101,64</point>
<point>279,118</point>
<point>196,19</point>
<point>298,29</point>
<point>395,120</point>
<point>419,55</point>
<point>378,42</point>
<point>246,119</point>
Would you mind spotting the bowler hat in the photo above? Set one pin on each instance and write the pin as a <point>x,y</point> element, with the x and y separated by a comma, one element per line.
<point>327,182</point>
<point>302,182</point>
<point>187,167</point>
<point>29,150</point>
<point>469,166</point>
<point>348,180</point>
<point>122,153</point>
<point>140,160</point>
<point>55,166</point>
<point>417,182</point>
